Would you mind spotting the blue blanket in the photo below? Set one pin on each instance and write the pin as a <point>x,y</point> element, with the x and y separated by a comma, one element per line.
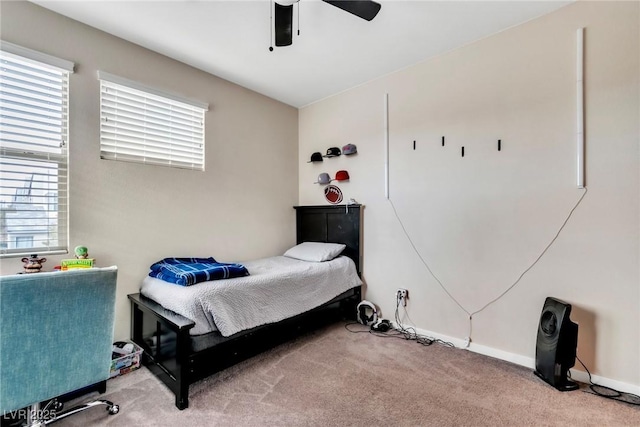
<point>189,271</point>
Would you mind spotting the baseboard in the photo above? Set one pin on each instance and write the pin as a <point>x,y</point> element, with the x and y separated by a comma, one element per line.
<point>528,362</point>
<point>583,377</point>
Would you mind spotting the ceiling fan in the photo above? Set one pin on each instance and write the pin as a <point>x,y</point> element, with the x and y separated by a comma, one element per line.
<point>283,14</point>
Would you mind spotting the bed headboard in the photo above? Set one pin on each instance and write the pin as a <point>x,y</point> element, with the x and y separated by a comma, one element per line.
<point>332,224</point>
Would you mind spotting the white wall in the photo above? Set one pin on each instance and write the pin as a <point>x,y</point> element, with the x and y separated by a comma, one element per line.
<point>481,220</point>
<point>131,215</point>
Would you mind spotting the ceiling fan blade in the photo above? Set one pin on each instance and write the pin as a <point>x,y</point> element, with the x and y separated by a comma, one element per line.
<point>283,23</point>
<point>364,9</point>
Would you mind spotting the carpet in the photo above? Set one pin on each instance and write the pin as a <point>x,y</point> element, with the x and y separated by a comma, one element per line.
<point>333,377</point>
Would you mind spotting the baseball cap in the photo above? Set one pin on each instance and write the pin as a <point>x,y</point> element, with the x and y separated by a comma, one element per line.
<point>349,149</point>
<point>316,157</point>
<point>342,176</point>
<point>323,179</point>
<point>332,152</point>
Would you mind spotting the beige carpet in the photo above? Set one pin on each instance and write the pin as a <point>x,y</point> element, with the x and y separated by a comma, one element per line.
<point>335,378</point>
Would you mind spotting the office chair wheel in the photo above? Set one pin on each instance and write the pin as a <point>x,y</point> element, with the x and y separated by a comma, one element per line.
<point>113,409</point>
<point>53,407</point>
<point>57,406</point>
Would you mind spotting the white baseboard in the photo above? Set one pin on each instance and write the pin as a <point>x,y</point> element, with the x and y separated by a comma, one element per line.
<point>583,377</point>
<point>528,362</point>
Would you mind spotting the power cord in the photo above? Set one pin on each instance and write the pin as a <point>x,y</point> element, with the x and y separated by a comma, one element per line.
<point>410,333</point>
<point>610,393</point>
<point>399,331</point>
<point>471,314</point>
<point>391,333</point>
<point>395,333</point>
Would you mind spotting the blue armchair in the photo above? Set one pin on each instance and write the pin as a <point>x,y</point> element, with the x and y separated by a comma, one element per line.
<point>56,335</point>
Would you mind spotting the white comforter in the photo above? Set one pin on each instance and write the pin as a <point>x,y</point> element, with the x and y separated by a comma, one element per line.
<point>276,289</point>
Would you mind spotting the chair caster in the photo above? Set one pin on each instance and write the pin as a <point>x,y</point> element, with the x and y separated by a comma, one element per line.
<point>113,409</point>
<point>57,406</point>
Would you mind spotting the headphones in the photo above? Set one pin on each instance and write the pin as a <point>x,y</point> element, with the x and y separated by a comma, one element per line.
<point>382,325</point>
<point>366,313</point>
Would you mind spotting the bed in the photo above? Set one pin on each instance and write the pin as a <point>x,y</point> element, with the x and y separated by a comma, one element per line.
<point>180,351</point>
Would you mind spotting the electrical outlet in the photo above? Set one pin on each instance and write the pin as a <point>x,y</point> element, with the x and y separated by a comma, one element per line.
<point>467,342</point>
<point>402,295</point>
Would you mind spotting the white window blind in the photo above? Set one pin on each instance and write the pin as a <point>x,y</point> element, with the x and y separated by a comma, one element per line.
<point>33,152</point>
<point>144,125</point>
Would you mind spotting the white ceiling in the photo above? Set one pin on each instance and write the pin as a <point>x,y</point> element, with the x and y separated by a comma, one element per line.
<point>334,52</point>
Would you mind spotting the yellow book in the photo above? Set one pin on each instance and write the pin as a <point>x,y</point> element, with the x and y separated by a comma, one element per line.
<point>71,264</point>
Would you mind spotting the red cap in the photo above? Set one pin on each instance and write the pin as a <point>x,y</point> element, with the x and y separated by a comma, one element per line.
<point>342,176</point>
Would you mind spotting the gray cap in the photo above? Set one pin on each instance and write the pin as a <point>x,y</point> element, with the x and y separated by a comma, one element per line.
<point>349,149</point>
<point>323,179</point>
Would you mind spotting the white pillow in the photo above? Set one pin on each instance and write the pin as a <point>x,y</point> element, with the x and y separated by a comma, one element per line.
<point>315,251</point>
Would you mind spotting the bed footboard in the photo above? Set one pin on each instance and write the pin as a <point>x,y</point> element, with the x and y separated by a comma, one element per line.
<point>179,359</point>
<point>164,337</point>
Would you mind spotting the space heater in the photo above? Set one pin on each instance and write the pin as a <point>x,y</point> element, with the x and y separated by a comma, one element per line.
<point>556,345</point>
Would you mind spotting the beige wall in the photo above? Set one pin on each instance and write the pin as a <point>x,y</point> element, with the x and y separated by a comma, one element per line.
<point>131,215</point>
<point>481,220</point>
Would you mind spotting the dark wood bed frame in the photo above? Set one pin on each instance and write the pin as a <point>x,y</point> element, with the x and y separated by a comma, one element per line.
<point>179,359</point>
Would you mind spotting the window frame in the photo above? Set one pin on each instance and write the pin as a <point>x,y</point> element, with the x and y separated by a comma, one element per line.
<point>142,124</point>
<point>22,154</point>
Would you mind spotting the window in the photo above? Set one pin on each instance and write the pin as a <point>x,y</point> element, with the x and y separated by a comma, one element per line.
<point>34,91</point>
<point>24,241</point>
<point>144,125</point>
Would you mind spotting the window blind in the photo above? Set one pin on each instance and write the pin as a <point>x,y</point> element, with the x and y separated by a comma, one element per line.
<point>33,154</point>
<point>137,125</point>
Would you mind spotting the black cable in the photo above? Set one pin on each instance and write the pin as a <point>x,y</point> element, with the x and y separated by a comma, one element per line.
<point>346,326</point>
<point>389,334</point>
<point>399,331</point>
<point>614,394</point>
<point>410,332</point>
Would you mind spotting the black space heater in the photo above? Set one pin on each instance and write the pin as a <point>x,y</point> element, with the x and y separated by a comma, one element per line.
<point>556,345</point>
